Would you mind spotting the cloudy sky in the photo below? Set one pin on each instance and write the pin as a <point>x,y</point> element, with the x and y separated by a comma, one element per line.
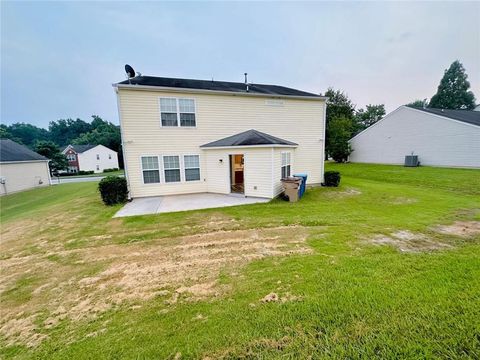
<point>59,59</point>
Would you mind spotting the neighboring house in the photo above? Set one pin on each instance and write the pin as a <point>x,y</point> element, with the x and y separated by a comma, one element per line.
<point>439,137</point>
<point>90,158</point>
<point>185,136</point>
<point>21,168</point>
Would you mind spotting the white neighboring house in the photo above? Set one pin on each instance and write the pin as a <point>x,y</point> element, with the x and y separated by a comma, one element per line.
<point>90,158</point>
<point>21,168</point>
<point>184,136</point>
<point>449,138</point>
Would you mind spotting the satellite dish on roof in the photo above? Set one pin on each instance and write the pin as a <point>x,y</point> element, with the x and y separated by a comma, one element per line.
<point>129,70</point>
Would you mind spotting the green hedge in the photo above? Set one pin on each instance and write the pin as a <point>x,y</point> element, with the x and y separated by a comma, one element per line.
<point>113,190</point>
<point>332,178</point>
<point>110,170</point>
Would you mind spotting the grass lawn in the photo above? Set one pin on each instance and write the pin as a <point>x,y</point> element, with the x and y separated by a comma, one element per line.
<point>386,266</point>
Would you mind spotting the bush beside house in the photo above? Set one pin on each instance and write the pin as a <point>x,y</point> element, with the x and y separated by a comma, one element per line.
<point>113,190</point>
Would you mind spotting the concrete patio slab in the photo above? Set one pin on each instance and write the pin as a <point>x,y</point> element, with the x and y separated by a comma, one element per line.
<point>172,203</point>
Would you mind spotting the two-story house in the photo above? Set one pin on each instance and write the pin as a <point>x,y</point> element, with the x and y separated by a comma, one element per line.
<point>94,158</point>
<point>185,136</point>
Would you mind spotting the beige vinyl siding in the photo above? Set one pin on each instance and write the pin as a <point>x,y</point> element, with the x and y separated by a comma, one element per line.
<point>217,116</point>
<point>23,176</point>
<point>217,172</point>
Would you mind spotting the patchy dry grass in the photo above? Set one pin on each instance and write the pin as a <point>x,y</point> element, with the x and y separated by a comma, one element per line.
<point>385,266</point>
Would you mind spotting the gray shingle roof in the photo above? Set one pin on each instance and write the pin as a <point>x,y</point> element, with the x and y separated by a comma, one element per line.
<point>217,86</point>
<point>466,116</point>
<point>12,151</point>
<point>81,148</point>
<point>249,138</point>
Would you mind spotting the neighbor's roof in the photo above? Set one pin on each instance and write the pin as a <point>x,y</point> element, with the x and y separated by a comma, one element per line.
<point>237,87</point>
<point>466,116</point>
<point>12,151</point>
<point>81,148</point>
<point>249,138</point>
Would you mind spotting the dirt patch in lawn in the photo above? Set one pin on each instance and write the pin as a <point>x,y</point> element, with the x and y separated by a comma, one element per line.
<point>463,229</point>
<point>404,201</point>
<point>407,241</point>
<point>175,270</point>
<point>343,193</point>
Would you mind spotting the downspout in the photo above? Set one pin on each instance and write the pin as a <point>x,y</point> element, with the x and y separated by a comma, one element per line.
<point>323,145</point>
<point>124,150</point>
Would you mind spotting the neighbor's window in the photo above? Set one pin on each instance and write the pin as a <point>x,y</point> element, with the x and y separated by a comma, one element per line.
<point>98,157</point>
<point>172,110</point>
<point>171,166</point>
<point>150,169</point>
<point>192,167</point>
<point>168,111</point>
<point>187,112</point>
<point>98,167</point>
<point>109,156</point>
<point>286,164</point>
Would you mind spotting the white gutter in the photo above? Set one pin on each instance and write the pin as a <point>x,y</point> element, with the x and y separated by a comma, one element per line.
<point>220,92</point>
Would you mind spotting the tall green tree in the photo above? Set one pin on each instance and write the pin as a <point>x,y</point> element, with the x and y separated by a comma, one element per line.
<point>26,134</point>
<point>341,130</point>
<point>58,161</point>
<point>453,91</point>
<point>64,131</point>
<point>369,116</point>
<point>339,106</point>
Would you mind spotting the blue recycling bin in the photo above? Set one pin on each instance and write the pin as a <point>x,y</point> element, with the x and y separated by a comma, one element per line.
<point>303,186</point>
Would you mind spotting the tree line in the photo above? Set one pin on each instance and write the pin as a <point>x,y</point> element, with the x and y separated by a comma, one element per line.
<point>60,133</point>
<point>343,121</point>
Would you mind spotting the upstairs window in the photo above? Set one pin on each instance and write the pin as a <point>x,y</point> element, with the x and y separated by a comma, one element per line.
<point>177,112</point>
<point>192,167</point>
<point>286,164</point>
<point>109,156</point>
<point>187,112</point>
<point>98,157</point>
<point>171,166</point>
<point>150,169</point>
<point>168,111</point>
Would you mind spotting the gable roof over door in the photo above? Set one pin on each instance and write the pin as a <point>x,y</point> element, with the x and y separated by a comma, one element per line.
<point>14,152</point>
<point>250,137</point>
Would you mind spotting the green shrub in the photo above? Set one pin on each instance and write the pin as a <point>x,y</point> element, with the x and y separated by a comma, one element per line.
<point>113,190</point>
<point>110,170</point>
<point>332,178</point>
<point>82,172</point>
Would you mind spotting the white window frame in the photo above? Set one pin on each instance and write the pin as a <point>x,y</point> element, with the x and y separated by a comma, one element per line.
<point>178,112</point>
<point>288,163</point>
<point>185,169</point>
<point>179,169</point>
<point>159,170</point>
